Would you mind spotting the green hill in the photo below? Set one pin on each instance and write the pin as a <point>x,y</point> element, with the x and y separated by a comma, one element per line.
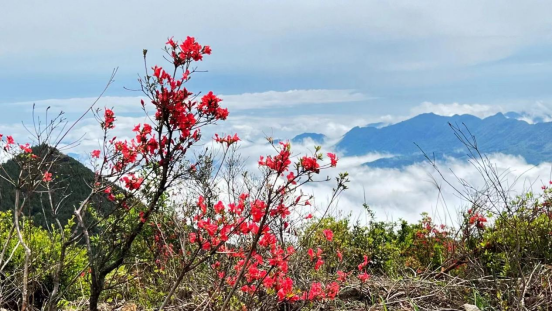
<point>71,180</point>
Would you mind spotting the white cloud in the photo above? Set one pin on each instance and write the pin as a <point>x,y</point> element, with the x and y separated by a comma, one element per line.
<point>530,112</point>
<point>478,110</point>
<point>236,102</point>
<point>290,98</point>
<point>80,104</point>
<point>332,126</point>
<point>406,193</point>
<point>283,36</point>
<point>538,110</point>
<point>391,193</point>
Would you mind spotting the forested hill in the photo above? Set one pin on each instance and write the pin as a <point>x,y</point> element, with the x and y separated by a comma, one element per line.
<point>70,176</point>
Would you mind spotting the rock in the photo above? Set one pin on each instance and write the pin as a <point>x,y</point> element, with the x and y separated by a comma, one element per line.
<point>350,293</point>
<point>470,307</point>
<point>129,307</point>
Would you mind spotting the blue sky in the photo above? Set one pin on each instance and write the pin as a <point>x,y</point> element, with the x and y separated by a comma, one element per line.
<point>398,53</point>
<point>287,67</point>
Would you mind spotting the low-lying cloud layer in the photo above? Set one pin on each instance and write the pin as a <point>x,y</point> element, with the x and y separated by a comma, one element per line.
<point>251,117</point>
<point>391,193</point>
<point>406,193</point>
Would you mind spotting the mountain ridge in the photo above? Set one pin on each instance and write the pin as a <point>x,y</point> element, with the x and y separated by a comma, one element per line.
<point>493,134</point>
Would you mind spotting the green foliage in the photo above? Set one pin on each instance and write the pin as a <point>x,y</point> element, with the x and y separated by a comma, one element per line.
<point>46,249</point>
<point>382,241</point>
<point>508,247</point>
<point>519,238</point>
<point>428,245</point>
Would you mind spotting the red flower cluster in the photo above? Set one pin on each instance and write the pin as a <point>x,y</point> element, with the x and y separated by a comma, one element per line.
<point>340,256</point>
<point>210,106</point>
<point>365,262</point>
<point>26,148</point>
<point>95,153</point>
<point>229,140</point>
<point>363,277</point>
<point>477,218</point>
<point>280,162</point>
<point>178,119</point>
<point>186,51</point>
<point>110,194</point>
<point>312,256</point>
<point>264,267</point>
<point>132,182</point>
<point>328,234</point>
<point>333,159</point>
<point>310,164</point>
<point>9,141</point>
<point>47,177</point>
<point>109,118</point>
<point>342,276</point>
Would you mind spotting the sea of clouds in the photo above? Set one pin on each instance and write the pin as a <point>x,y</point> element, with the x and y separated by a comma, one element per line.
<point>392,194</point>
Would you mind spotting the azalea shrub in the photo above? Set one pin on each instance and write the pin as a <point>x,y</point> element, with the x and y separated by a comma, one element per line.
<point>244,236</point>
<point>431,246</point>
<point>519,237</point>
<point>381,242</point>
<point>170,219</point>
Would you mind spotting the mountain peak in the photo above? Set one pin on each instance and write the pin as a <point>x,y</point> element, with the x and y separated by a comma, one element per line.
<point>497,116</point>
<point>316,137</point>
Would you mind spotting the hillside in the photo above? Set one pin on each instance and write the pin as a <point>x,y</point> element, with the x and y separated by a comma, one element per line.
<point>71,178</point>
<point>495,134</point>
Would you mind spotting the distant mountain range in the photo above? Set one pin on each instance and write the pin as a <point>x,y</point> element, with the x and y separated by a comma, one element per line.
<point>495,134</point>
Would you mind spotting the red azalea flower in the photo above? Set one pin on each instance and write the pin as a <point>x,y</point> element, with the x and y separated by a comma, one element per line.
<point>363,277</point>
<point>328,234</point>
<point>109,118</point>
<point>333,159</point>
<point>332,290</point>
<point>310,253</point>
<point>47,177</point>
<point>310,164</point>
<point>364,263</point>
<point>318,264</point>
<point>342,276</point>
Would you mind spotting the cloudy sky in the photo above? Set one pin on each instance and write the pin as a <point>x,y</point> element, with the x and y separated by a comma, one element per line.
<point>284,67</point>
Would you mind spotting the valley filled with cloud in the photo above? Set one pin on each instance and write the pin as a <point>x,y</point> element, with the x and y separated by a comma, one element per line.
<point>392,193</point>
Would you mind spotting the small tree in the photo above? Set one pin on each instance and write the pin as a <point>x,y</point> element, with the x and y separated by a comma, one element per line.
<point>246,233</point>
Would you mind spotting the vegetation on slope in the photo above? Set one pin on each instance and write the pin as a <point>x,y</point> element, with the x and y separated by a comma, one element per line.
<point>73,181</point>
